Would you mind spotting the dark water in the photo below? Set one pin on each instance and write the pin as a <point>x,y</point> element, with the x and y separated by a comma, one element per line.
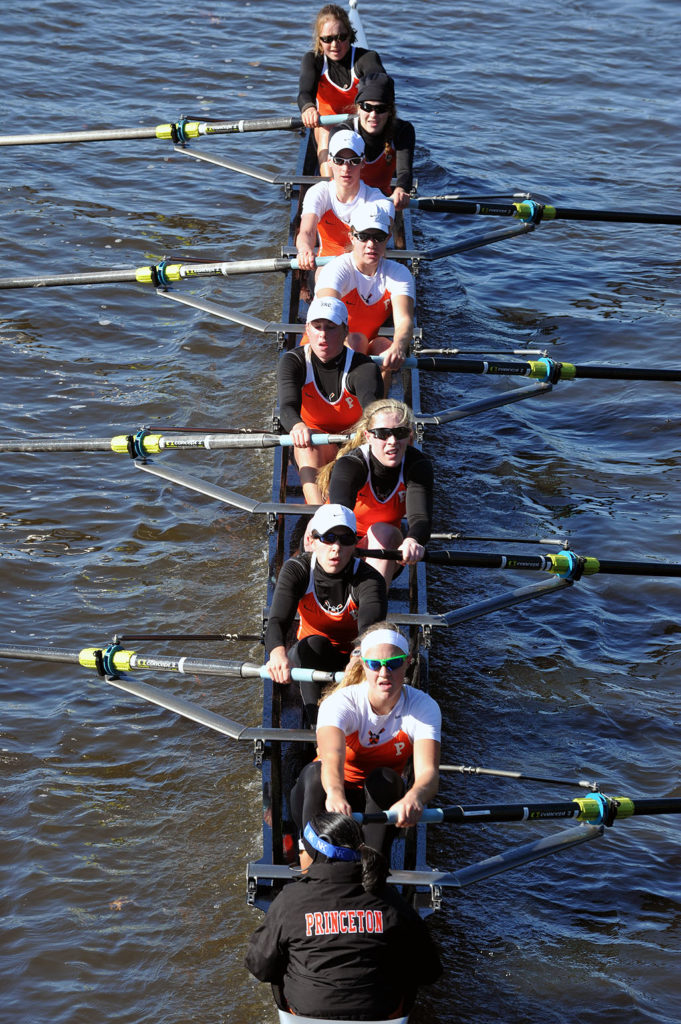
<point>126,831</point>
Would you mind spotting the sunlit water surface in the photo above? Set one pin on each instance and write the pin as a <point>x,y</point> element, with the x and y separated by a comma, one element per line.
<point>126,831</point>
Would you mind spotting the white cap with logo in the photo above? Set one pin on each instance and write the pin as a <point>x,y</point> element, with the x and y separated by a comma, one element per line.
<point>373,217</point>
<point>346,139</point>
<point>329,517</point>
<point>327,308</point>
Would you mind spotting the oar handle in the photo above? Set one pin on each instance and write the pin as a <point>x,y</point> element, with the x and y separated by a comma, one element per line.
<point>161,275</point>
<point>180,132</point>
<point>264,124</point>
<point>482,814</point>
<point>566,564</point>
<point>112,658</point>
<point>537,369</point>
<point>595,808</point>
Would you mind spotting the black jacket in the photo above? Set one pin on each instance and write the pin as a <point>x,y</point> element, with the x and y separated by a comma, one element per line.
<point>339,951</point>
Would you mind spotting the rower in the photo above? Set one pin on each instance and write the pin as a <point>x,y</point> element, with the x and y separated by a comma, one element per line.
<point>388,140</point>
<point>323,386</point>
<point>330,73</point>
<point>335,595</point>
<point>373,288</point>
<point>371,729</point>
<point>339,941</point>
<point>329,205</point>
<point>384,478</point>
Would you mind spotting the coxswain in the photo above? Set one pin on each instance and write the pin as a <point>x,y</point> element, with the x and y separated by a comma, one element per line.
<point>384,479</point>
<point>339,942</point>
<point>335,595</point>
<point>328,206</point>
<point>388,140</point>
<point>371,729</point>
<point>373,288</point>
<point>323,387</point>
<point>330,73</point>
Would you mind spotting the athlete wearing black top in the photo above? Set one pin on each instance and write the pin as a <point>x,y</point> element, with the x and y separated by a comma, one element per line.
<point>363,381</point>
<point>360,583</point>
<point>350,473</point>
<point>332,590</point>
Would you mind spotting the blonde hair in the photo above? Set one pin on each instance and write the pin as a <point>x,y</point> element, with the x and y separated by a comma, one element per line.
<point>354,672</point>
<point>331,12</point>
<point>374,409</point>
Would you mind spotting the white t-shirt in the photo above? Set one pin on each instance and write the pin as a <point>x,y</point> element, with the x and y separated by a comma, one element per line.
<point>322,197</point>
<point>415,713</point>
<point>342,276</point>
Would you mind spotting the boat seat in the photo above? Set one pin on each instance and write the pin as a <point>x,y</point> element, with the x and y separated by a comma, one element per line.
<point>291,1018</point>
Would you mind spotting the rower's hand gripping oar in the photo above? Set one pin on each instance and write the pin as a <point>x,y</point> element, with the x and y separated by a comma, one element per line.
<point>180,132</point>
<point>535,212</point>
<point>166,273</point>
<point>595,809</point>
<point>112,659</point>
<point>565,564</point>
<point>161,275</point>
<point>544,369</point>
<point>146,442</point>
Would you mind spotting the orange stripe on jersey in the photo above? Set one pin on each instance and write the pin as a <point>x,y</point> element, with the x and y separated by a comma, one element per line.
<point>340,628</point>
<point>369,509</point>
<point>334,235</point>
<point>318,412</point>
<point>379,172</point>
<point>361,761</point>
<point>332,99</point>
<point>367,319</point>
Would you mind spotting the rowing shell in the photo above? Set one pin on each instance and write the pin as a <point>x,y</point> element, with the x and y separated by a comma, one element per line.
<point>282,707</point>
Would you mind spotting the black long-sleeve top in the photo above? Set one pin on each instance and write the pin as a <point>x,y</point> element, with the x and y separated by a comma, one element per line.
<point>367,62</point>
<point>338,951</point>
<point>350,474</point>
<point>332,590</point>
<point>363,381</point>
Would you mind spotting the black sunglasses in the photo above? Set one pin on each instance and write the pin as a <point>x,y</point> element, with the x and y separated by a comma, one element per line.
<point>383,433</point>
<point>340,38</point>
<point>371,236</point>
<point>346,539</point>
<point>373,108</point>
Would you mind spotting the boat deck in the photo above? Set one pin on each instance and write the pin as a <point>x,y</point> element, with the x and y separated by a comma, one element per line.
<point>282,707</point>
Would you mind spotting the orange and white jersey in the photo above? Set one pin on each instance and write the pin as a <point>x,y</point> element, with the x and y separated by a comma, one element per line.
<point>373,740</point>
<point>369,509</point>
<point>318,412</point>
<point>368,298</point>
<point>379,172</point>
<point>333,217</point>
<point>332,98</point>
<point>338,626</point>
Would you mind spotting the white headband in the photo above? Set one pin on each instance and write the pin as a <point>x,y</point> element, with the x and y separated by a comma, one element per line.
<point>384,636</point>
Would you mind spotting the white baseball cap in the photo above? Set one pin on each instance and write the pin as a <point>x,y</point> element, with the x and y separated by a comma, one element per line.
<point>346,139</point>
<point>372,216</point>
<point>328,308</point>
<point>329,517</point>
